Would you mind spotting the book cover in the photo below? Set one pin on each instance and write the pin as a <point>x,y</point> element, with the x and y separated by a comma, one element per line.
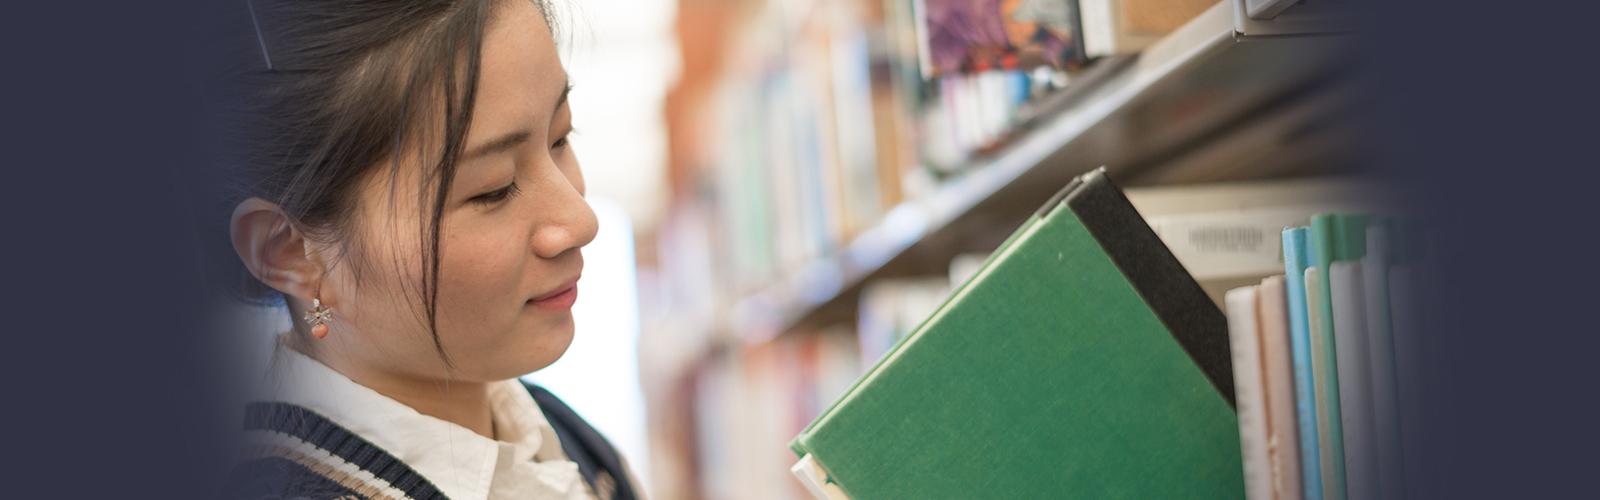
<point>973,36</point>
<point>1078,360</point>
<point>1295,262</point>
<point>1277,369</point>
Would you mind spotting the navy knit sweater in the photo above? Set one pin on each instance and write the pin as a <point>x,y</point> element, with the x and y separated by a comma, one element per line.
<point>279,475</point>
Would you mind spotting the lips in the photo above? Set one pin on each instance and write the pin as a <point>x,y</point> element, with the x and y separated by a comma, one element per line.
<point>559,299</point>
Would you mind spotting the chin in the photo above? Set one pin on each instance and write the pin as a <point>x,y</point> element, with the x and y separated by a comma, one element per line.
<point>539,349</point>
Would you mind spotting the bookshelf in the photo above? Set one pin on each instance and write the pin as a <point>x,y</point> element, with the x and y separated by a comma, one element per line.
<point>1205,94</point>
<point>741,360</point>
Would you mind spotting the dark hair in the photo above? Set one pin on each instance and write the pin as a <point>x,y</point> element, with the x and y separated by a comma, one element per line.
<point>338,87</point>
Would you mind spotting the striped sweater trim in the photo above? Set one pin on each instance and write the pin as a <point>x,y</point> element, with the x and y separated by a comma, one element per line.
<point>319,432</point>
<point>358,483</point>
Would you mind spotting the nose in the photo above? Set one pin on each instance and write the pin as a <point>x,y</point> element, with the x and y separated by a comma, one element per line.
<point>569,222</point>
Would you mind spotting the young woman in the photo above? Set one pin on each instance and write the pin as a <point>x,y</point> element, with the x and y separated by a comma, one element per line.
<point>409,193</point>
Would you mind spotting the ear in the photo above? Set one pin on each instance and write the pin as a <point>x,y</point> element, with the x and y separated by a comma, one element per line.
<point>273,250</point>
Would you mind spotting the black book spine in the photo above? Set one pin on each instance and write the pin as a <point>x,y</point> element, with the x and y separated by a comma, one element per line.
<point>1188,313</point>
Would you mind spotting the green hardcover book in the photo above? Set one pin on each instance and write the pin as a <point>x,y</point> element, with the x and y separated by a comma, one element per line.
<point>1082,361</point>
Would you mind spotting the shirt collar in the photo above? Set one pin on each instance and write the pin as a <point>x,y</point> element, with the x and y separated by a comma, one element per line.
<point>527,460</point>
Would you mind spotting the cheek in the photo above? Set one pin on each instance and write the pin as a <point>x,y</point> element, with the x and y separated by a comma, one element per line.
<point>380,265</point>
<point>481,290</point>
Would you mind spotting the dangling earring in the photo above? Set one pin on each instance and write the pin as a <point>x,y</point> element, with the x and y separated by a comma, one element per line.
<point>318,317</point>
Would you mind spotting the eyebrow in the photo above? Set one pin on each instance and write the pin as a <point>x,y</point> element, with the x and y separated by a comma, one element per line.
<point>565,89</point>
<point>514,138</point>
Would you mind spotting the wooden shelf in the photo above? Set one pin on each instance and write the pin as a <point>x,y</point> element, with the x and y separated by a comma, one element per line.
<point>1260,97</point>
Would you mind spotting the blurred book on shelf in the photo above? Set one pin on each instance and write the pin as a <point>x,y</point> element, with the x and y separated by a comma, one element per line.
<point>748,404</point>
<point>973,36</point>
<point>1127,26</point>
<point>890,309</point>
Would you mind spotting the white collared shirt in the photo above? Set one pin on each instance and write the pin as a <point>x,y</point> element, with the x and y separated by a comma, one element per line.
<point>527,461</point>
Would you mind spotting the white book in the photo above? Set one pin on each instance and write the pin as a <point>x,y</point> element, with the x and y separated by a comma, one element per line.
<point>1249,392</point>
<point>1231,243</point>
<point>1229,235</point>
<point>1355,385</point>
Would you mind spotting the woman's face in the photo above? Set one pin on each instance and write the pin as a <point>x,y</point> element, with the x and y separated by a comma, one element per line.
<point>511,228</point>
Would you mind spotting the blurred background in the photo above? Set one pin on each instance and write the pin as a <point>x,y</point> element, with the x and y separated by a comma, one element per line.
<point>788,187</point>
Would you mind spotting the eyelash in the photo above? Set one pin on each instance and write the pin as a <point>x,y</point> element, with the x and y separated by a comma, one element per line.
<point>562,142</point>
<point>497,195</point>
<point>511,189</point>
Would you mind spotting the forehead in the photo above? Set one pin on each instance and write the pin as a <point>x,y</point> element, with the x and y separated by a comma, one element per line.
<point>520,75</point>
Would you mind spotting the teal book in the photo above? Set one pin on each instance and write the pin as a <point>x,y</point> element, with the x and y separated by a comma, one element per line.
<point>1295,262</point>
<point>1081,361</point>
<point>1333,238</point>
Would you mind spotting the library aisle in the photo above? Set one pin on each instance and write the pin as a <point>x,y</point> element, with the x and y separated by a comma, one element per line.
<point>835,169</point>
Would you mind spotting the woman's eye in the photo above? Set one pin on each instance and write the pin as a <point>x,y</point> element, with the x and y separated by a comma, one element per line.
<point>562,142</point>
<point>495,196</point>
